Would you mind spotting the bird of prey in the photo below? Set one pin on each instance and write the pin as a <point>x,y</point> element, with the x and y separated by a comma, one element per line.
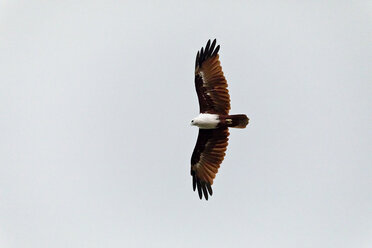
<point>213,120</point>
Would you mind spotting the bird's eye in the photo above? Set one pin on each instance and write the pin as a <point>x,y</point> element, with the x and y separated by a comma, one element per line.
<point>192,121</point>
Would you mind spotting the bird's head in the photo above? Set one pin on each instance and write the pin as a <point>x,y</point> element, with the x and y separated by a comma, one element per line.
<point>193,122</point>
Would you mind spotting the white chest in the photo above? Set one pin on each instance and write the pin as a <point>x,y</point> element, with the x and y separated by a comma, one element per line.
<point>206,121</point>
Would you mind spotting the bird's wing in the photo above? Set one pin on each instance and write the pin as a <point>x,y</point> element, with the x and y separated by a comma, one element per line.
<point>210,83</point>
<point>208,154</point>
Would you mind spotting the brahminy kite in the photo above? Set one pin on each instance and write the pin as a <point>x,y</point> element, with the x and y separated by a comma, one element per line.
<point>213,120</point>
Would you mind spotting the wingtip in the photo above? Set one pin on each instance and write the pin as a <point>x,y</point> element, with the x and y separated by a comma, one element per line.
<point>207,48</point>
<point>197,59</point>
<point>205,52</point>
<point>199,189</point>
<point>216,51</point>
<point>209,189</point>
<point>204,188</point>
<point>194,182</point>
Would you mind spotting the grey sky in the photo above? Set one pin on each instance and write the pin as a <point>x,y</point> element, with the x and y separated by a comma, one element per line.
<point>95,143</point>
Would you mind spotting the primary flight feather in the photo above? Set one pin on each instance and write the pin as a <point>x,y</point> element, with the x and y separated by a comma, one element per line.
<point>213,120</point>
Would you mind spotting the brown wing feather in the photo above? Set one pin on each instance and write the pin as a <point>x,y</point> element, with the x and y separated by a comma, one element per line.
<point>208,154</point>
<point>210,83</point>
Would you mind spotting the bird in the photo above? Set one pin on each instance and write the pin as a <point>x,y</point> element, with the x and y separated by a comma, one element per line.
<point>213,120</point>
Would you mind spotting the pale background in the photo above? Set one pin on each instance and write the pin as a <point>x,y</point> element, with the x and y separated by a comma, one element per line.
<point>95,143</point>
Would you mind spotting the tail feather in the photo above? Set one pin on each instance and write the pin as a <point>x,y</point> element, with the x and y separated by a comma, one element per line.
<point>237,121</point>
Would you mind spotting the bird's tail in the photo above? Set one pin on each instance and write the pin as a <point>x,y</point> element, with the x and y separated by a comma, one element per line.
<point>237,121</point>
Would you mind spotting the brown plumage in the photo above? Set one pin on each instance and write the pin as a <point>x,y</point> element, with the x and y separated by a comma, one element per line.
<point>208,154</point>
<point>210,83</point>
<point>213,121</point>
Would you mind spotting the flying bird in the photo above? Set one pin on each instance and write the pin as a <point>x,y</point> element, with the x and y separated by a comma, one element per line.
<point>213,121</point>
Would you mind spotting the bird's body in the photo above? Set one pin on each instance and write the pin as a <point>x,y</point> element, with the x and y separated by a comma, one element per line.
<point>213,120</point>
<point>206,121</point>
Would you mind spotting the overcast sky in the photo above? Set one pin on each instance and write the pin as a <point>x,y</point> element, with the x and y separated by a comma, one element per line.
<point>96,98</point>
